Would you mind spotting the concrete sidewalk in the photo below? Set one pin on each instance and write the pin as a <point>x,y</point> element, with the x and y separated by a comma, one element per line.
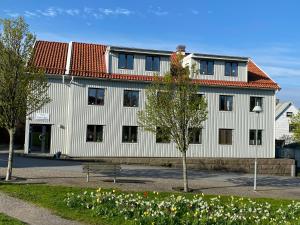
<point>29,213</point>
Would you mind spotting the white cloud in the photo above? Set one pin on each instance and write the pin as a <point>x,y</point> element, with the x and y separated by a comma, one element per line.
<point>158,11</point>
<point>30,14</point>
<point>72,12</point>
<point>11,14</point>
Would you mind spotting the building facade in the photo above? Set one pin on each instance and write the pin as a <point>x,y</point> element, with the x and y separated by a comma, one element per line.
<point>284,112</point>
<point>97,90</point>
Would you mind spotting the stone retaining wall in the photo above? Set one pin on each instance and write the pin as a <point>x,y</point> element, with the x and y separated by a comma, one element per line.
<point>282,167</point>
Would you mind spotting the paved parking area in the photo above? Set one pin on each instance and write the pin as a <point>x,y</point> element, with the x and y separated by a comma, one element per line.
<point>148,178</point>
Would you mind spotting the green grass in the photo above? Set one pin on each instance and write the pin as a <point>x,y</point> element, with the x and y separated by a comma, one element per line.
<point>52,197</point>
<point>7,220</point>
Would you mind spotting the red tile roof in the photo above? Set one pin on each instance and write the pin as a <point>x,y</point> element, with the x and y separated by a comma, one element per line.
<point>88,60</point>
<point>51,56</point>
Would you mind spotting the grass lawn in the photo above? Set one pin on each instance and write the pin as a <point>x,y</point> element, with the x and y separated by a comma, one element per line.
<point>52,197</point>
<point>6,220</point>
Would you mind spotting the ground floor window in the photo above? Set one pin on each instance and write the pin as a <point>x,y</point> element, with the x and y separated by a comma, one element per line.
<point>129,134</point>
<point>225,136</point>
<point>253,137</point>
<point>94,133</point>
<point>162,135</point>
<point>195,135</point>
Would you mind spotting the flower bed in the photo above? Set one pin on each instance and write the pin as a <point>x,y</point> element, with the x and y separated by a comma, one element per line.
<point>151,208</point>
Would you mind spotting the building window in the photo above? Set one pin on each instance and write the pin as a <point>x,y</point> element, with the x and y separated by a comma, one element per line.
<point>292,128</point>
<point>96,96</point>
<point>289,114</point>
<point>131,98</point>
<point>206,67</point>
<point>231,69</point>
<point>255,101</point>
<point>162,135</point>
<point>125,61</point>
<point>129,134</point>
<point>152,63</point>
<point>252,137</point>
<point>195,135</point>
<point>226,103</point>
<point>94,133</point>
<point>225,136</point>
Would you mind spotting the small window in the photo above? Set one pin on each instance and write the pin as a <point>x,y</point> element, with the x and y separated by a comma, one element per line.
<point>131,98</point>
<point>96,96</point>
<point>292,128</point>
<point>125,61</point>
<point>195,135</point>
<point>289,114</point>
<point>252,137</point>
<point>226,103</point>
<point>231,69</point>
<point>225,136</point>
<point>94,133</point>
<point>206,67</point>
<point>255,101</point>
<point>162,136</point>
<point>152,63</point>
<point>129,134</point>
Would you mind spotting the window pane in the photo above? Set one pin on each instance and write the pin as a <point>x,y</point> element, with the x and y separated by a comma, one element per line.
<point>162,135</point>
<point>229,101</point>
<point>226,103</point>
<point>203,67</point>
<point>100,96</point>
<point>130,62</point>
<point>227,69</point>
<point>148,63</point>
<point>254,101</point>
<point>129,134</point>
<point>92,96</point>
<point>225,136</point>
<point>99,133</point>
<point>94,133</point>
<point>252,137</point>
<point>234,69</point>
<point>195,135</point>
<point>131,98</point>
<point>90,133</point>
<point>210,68</point>
<point>122,61</point>
<point>156,64</point>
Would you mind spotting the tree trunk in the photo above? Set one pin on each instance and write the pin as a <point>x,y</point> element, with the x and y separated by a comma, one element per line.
<point>10,154</point>
<point>184,171</point>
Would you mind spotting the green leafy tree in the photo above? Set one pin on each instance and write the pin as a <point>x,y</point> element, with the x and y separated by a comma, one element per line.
<point>174,108</point>
<point>296,127</point>
<point>23,88</point>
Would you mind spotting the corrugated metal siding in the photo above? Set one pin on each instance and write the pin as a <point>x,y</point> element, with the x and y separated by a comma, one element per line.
<point>113,115</point>
<point>58,115</point>
<point>139,65</point>
<point>219,72</point>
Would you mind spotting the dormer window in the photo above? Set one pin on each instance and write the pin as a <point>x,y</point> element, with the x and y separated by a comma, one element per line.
<point>152,63</point>
<point>289,114</point>
<point>206,67</point>
<point>125,61</point>
<point>231,69</point>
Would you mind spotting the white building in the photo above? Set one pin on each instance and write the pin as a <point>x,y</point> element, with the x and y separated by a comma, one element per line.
<point>284,111</point>
<point>97,90</point>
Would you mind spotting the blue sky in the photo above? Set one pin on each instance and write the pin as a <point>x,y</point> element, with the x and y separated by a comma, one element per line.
<point>267,31</point>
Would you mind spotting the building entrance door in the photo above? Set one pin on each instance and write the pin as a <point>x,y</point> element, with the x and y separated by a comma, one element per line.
<point>39,138</point>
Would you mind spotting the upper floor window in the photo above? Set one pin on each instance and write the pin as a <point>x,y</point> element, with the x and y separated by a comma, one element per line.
<point>131,98</point>
<point>206,67</point>
<point>289,114</point>
<point>152,63</point>
<point>162,135</point>
<point>94,133</point>
<point>255,101</point>
<point>225,136</point>
<point>231,69</point>
<point>129,134</point>
<point>255,135</point>
<point>226,103</point>
<point>96,96</point>
<point>125,61</point>
<point>292,128</point>
<point>195,135</point>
